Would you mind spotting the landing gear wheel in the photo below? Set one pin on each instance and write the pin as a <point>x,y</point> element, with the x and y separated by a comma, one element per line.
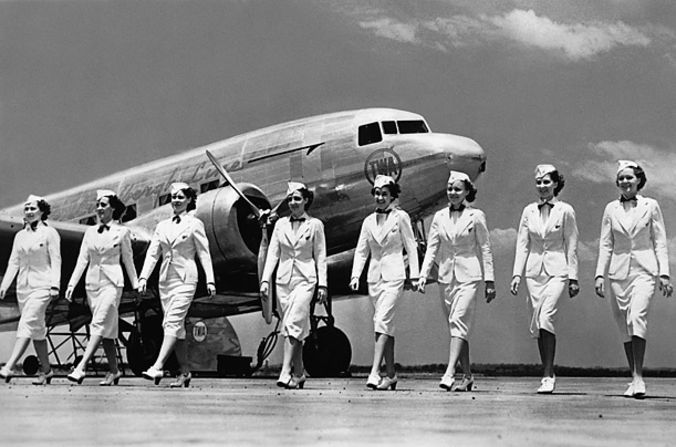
<point>327,353</point>
<point>30,365</point>
<point>144,348</point>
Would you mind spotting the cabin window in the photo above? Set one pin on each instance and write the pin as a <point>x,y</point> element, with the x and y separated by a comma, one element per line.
<point>369,133</point>
<point>412,126</point>
<point>129,213</point>
<point>204,187</point>
<point>164,199</point>
<point>390,127</point>
<point>88,220</point>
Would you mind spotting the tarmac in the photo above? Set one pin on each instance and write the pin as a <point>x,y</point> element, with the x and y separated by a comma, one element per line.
<point>342,412</point>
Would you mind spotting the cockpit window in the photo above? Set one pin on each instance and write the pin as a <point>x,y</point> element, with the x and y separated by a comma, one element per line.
<point>412,126</point>
<point>390,127</point>
<point>369,133</point>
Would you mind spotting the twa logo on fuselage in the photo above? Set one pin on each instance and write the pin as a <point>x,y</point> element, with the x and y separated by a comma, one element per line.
<point>383,162</point>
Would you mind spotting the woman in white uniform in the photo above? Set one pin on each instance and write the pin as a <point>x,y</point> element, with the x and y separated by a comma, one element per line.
<point>384,235</point>
<point>103,248</point>
<point>298,250</point>
<point>459,242</point>
<point>36,258</point>
<point>546,246</point>
<point>633,256</point>
<point>177,240</point>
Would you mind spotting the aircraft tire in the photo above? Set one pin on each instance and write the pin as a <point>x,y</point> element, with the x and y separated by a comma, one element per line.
<point>30,365</point>
<point>144,348</point>
<point>327,353</point>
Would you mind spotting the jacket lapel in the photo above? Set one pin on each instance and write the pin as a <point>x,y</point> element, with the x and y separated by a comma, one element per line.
<point>619,216</point>
<point>294,236</point>
<point>464,220</point>
<point>381,233</point>
<point>554,214</point>
<point>640,212</point>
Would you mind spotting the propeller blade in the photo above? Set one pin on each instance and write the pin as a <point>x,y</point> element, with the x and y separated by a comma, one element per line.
<point>221,170</point>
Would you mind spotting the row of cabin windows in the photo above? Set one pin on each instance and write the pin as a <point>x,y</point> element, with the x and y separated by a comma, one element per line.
<point>372,133</point>
<point>130,211</point>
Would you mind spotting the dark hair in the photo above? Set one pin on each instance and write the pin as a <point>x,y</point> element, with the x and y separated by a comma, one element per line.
<point>45,208</point>
<point>118,207</point>
<point>393,188</point>
<point>640,175</point>
<point>560,181</point>
<point>190,194</point>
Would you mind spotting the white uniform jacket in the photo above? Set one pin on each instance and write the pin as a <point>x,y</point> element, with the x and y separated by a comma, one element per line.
<point>103,253</point>
<point>178,243</point>
<point>459,246</point>
<point>552,244</point>
<point>384,245</point>
<point>644,240</point>
<point>36,257</point>
<point>304,249</point>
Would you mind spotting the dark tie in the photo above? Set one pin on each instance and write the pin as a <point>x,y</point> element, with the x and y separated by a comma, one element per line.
<point>176,219</point>
<point>386,211</point>
<point>103,227</point>
<point>34,225</point>
<point>297,219</point>
<point>551,205</point>
<point>628,199</point>
<point>458,209</point>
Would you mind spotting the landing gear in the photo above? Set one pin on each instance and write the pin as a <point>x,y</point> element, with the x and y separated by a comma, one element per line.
<point>30,365</point>
<point>145,339</point>
<point>327,351</point>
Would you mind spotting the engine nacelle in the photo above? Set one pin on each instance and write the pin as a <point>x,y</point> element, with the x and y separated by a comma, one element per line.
<point>232,228</point>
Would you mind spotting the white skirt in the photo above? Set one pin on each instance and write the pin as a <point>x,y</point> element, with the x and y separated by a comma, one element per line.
<point>33,306</point>
<point>459,302</point>
<point>104,303</point>
<point>176,297</point>
<point>630,302</point>
<point>544,292</point>
<point>384,296</point>
<point>294,301</point>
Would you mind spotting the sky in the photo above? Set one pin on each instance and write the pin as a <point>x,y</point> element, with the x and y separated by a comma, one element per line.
<point>93,87</point>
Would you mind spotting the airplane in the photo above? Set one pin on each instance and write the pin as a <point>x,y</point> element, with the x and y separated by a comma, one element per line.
<point>337,155</point>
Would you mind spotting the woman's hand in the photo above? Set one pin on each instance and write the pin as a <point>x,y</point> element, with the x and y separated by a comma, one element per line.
<point>514,286</point>
<point>211,289</point>
<point>422,282</point>
<point>354,284</point>
<point>665,286</point>
<point>322,294</point>
<point>69,294</point>
<point>265,289</point>
<point>490,291</point>
<point>573,288</point>
<point>599,286</point>
<point>54,292</point>
<point>142,286</point>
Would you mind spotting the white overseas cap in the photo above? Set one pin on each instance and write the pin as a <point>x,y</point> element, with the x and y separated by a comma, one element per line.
<point>542,170</point>
<point>383,180</point>
<point>457,175</point>
<point>178,186</point>
<point>100,193</point>
<point>624,164</point>
<point>293,187</point>
<point>34,198</point>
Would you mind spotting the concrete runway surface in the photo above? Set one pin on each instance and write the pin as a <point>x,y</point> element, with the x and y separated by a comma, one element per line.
<point>253,411</point>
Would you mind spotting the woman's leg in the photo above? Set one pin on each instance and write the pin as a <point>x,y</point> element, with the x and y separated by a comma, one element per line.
<point>378,353</point>
<point>181,350</point>
<point>464,359</point>
<point>19,348</point>
<point>454,352</point>
<point>92,345</point>
<point>41,350</point>
<point>638,351</point>
<point>388,353</point>
<point>297,356</point>
<point>168,344</point>
<point>547,345</point>
<point>110,349</point>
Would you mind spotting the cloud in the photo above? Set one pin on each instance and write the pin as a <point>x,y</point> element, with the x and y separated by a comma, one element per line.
<point>658,164</point>
<point>520,28</point>
<point>503,241</point>
<point>576,41</point>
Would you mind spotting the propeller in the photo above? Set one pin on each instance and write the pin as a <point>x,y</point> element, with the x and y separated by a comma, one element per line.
<point>265,218</point>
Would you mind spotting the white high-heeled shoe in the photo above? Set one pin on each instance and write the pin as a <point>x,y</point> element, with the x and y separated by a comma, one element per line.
<point>465,384</point>
<point>283,380</point>
<point>447,382</point>
<point>388,382</point>
<point>111,379</point>
<point>44,378</point>
<point>639,389</point>
<point>373,381</point>
<point>6,374</point>
<point>76,376</point>
<point>547,385</point>
<point>153,374</point>
<point>182,381</point>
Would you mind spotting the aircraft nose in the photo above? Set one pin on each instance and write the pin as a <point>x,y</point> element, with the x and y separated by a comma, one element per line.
<point>462,154</point>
